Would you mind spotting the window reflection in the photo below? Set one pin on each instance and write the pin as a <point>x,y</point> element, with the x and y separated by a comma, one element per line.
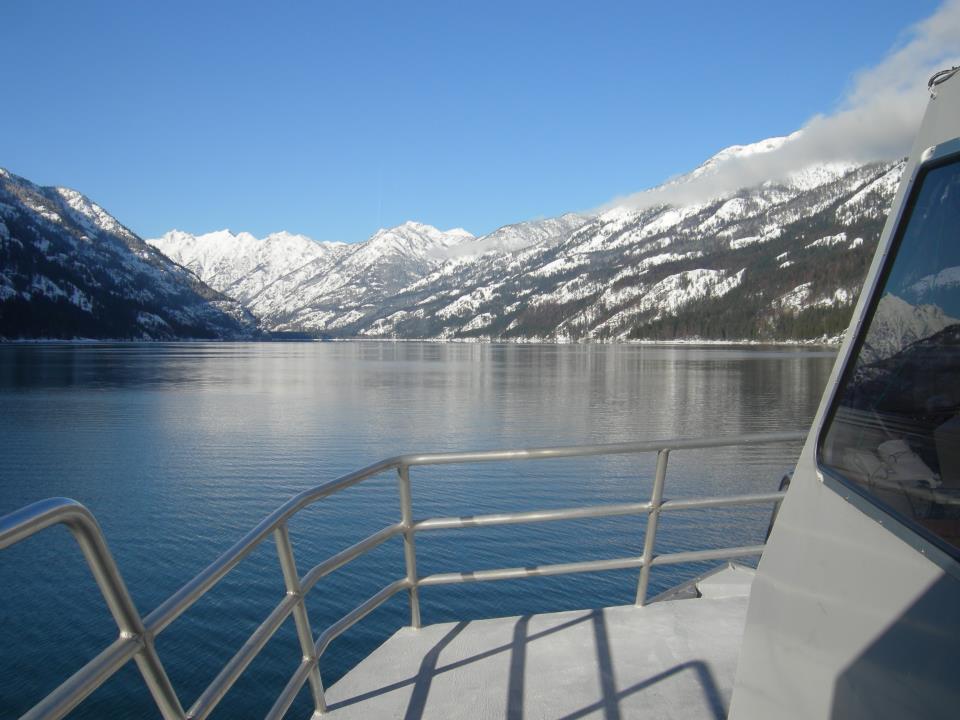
<point>896,429</point>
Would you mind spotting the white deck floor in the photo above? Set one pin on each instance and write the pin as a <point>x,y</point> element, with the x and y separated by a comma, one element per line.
<point>674,659</point>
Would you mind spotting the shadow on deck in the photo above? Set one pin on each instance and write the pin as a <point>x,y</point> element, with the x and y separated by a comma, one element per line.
<point>674,659</point>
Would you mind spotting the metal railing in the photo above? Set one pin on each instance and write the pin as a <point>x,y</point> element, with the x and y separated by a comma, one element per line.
<point>137,634</point>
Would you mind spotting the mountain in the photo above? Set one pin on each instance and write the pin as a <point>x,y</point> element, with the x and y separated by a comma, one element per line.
<point>318,286</point>
<point>241,265</point>
<point>776,261</point>
<point>772,262</point>
<point>512,238</point>
<point>285,275</point>
<point>779,260</point>
<point>68,269</point>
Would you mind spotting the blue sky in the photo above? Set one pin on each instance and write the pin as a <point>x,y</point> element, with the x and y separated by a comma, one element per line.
<point>333,119</point>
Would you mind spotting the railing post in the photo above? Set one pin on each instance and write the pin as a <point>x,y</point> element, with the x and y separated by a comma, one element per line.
<point>409,543</point>
<point>300,618</point>
<point>89,537</point>
<point>653,516</point>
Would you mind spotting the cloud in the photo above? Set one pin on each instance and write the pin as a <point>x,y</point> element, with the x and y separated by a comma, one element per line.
<point>877,120</point>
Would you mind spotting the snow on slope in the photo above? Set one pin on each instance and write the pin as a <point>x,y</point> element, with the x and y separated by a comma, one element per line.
<point>240,264</point>
<point>69,269</point>
<point>624,273</point>
<point>511,238</point>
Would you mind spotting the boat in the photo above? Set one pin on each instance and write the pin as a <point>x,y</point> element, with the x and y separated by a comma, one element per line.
<point>851,611</point>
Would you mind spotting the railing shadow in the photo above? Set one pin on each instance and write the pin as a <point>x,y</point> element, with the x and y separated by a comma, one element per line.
<point>610,697</point>
<point>611,704</point>
<point>426,673</point>
<point>428,669</point>
<point>518,666</point>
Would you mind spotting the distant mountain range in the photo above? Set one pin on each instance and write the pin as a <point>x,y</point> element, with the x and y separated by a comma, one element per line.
<point>293,283</point>
<point>779,261</point>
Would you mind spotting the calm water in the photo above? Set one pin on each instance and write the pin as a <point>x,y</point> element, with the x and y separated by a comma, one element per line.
<point>180,449</point>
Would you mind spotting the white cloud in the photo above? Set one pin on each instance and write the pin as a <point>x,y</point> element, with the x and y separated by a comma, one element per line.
<point>877,120</point>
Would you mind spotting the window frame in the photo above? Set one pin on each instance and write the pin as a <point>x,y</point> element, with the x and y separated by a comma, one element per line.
<point>944,554</point>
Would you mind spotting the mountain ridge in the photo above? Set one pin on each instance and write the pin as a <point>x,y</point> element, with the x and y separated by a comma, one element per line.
<point>775,261</point>
<point>69,269</point>
<point>778,260</point>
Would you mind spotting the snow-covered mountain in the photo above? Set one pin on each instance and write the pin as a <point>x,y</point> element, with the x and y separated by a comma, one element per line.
<point>774,261</point>
<point>512,238</point>
<point>777,260</point>
<point>241,265</point>
<point>69,269</point>
<point>294,283</point>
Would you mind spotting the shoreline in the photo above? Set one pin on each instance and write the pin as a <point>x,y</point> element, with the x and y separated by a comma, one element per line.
<point>832,343</point>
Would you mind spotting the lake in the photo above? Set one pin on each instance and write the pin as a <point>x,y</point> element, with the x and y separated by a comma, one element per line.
<point>179,449</point>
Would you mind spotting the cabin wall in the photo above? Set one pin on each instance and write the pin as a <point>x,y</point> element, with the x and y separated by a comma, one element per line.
<point>846,619</point>
<point>850,616</point>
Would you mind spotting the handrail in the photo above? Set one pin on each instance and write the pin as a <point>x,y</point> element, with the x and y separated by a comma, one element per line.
<point>137,634</point>
<point>21,524</point>
<point>180,601</point>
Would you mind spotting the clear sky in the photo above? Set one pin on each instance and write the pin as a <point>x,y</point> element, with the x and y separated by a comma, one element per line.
<point>335,118</point>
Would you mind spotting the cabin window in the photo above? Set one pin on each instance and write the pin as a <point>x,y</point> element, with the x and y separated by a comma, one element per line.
<point>894,431</point>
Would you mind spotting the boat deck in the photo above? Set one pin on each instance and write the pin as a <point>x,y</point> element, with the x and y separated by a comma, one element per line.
<point>670,659</point>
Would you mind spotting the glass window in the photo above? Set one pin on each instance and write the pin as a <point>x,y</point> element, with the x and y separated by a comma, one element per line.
<point>894,432</point>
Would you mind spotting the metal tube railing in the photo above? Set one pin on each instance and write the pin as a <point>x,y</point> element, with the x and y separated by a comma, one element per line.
<point>358,613</point>
<point>456,578</point>
<point>185,597</point>
<point>469,521</point>
<point>242,658</point>
<point>289,693</point>
<point>86,531</point>
<point>137,634</point>
<point>87,679</point>
<point>715,502</point>
<point>409,543</point>
<point>693,556</point>
<point>653,518</point>
<point>304,633</point>
<point>342,558</point>
<point>624,448</point>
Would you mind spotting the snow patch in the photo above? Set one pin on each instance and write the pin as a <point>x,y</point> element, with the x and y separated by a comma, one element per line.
<point>149,320</point>
<point>745,241</point>
<point>42,285</point>
<point>467,304</point>
<point>346,319</point>
<point>561,264</point>
<point>795,300</point>
<point>828,241</point>
<point>671,294</point>
<point>480,321</point>
<point>80,299</point>
<point>840,296</point>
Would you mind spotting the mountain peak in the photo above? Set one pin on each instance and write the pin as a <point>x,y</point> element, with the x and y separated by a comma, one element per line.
<point>736,152</point>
